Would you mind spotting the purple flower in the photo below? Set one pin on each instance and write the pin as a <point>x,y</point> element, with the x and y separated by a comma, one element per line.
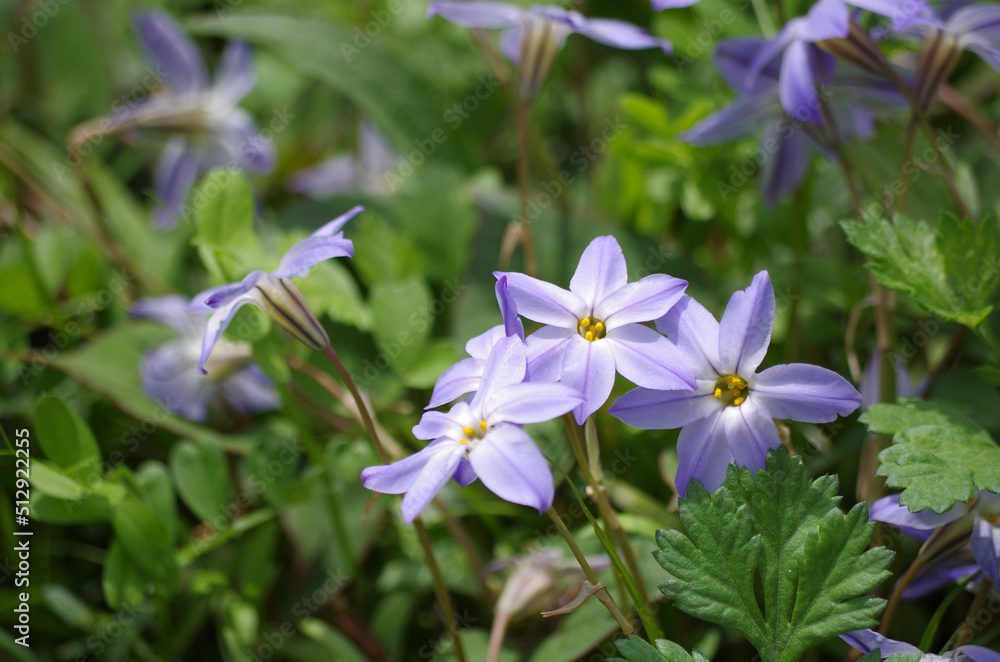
<point>365,173</point>
<point>207,128</point>
<point>170,375</point>
<point>728,416</point>
<point>866,641</point>
<point>660,5</point>
<point>594,330</point>
<point>274,293</point>
<point>979,519</point>
<point>482,438</point>
<point>533,37</point>
<point>785,146</point>
<point>464,376</point>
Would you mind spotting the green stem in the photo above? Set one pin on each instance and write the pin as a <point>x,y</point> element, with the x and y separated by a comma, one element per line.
<point>897,592</point>
<point>932,626</point>
<point>603,594</point>
<point>764,19</point>
<point>440,590</point>
<point>526,234</point>
<point>366,417</point>
<point>986,334</point>
<point>968,625</point>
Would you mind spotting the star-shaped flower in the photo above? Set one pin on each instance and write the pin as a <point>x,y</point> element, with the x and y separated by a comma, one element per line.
<point>866,641</point>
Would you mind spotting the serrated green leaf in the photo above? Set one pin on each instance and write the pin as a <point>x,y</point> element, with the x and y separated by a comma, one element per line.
<point>810,557</point>
<point>937,455</point>
<point>199,470</point>
<point>63,435</point>
<point>636,649</point>
<point>940,268</point>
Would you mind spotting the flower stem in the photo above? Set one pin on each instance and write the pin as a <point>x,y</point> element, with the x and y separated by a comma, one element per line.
<point>602,595</point>
<point>366,417</point>
<point>440,590</point>
<point>897,592</point>
<point>526,237</point>
<point>968,628</point>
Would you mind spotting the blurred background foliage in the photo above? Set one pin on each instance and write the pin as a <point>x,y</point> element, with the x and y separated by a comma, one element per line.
<point>161,539</point>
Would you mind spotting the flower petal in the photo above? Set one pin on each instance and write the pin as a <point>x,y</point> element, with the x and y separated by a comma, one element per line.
<point>702,454</point>
<point>546,353</point>
<point>589,367</point>
<point>324,244</point>
<point>978,653</point>
<point>249,390</point>
<point>827,19</point>
<point>544,302</point>
<point>750,435</point>
<point>740,118</point>
<point>511,466</point>
<point>506,365</point>
<point>985,543</point>
<point>169,376</point>
<point>660,5</point>
<point>797,87</point>
<point>170,309</point>
<point>620,34</point>
<point>665,410</point>
<point>867,640</point>
<point>465,475</point>
<point>174,176</point>
<point>734,59</point>
<point>325,179</point>
<point>802,392</point>
<point>981,20</point>
<point>696,332</point>
<point>788,150</point>
<point>235,296</point>
<point>508,310</point>
<point>170,50</point>
<point>456,381</point>
<point>477,14</point>
<point>481,346</point>
<point>434,425</point>
<point>442,462</point>
<point>642,301</point>
<point>745,329</point>
<point>888,510</point>
<point>600,272</point>
<point>768,52</point>
<point>243,145</point>
<point>235,76</point>
<point>522,404</point>
<point>647,359</point>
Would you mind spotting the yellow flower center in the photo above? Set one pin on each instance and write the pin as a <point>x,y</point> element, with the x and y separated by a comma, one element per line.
<point>591,329</point>
<point>732,390</point>
<point>472,433</point>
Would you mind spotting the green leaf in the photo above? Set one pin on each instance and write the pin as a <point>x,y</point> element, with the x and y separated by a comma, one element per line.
<point>937,455</point>
<point>223,208</point>
<point>53,482</point>
<point>637,649</point>
<point>63,435</point>
<point>199,470</point>
<point>122,581</point>
<point>146,543</point>
<point>403,319</point>
<point>951,271</point>
<point>810,558</point>
<point>155,480</point>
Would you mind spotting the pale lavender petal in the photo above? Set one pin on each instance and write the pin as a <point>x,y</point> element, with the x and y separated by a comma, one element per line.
<point>990,55</point>
<point>888,510</point>
<point>481,346</point>
<point>170,309</point>
<point>696,332</point>
<point>456,381</point>
<point>330,177</point>
<point>745,329</point>
<point>249,390</point>
<point>642,301</point>
<point>465,475</point>
<point>647,359</point>
<point>788,150</point>
<point>508,310</point>
<point>600,272</point>
<point>530,403</point>
<point>735,58</point>
<point>867,640</point>
<point>660,5</point>
<point>170,377</point>
<point>544,302</point>
<point>702,454</point>
<point>235,76</point>
<point>374,150</point>
<point>767,52</point>
<point>870,384</point>
<point>225,308</point>
<point>507,364</point>
<point>511,466</point>
<point>174,176</point>
<point>433,425</point>
<point>750,435</point>
<point>589,367</point>
<point>937,575</point>
<point>891,8</point>
<point>398,477</point>
<point>324,244</point>
<point>982,20</point>
<point>620,34</point>
<point>170,50</point>
<point>547,352</point>
<point>740,118</point>
<point>438,470</point>
<point>797,87</point>
<point>802,392</point>
<point>979,653</point>
<point>827,19</point>
<point>665,410</point>
<point>985,545</point>
<point>510,43</point>
<point>243,145</point>
<point>477,14</point>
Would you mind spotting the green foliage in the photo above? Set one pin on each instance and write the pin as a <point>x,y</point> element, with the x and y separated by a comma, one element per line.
<point>63,435</point>
<point>951,270</point>
<point>636,649</point>
<point>199,470</point>
<point>403,317</point>
<point>787,530</point>
<point>938,456</point>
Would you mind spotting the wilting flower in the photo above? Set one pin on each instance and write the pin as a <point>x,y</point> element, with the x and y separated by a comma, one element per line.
<point>866,641</point>
<point>727,418</point>
<point>979,519</point>
<point>169,373</point>
<point>207,130</point>
<point>786,144</point>
<point>533,37</point>
<point>464,376</point>
<point>595,329</point>
<point>274,293</point>
<point>363,173</point>
<point>482,438</point>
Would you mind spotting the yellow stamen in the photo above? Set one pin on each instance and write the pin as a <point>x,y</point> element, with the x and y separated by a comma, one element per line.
<point>590,336</point>
<point>738,401</point>
<point>598,327</point>
<point>463,441</point>
<point>735,392</point>
<point>718,392</point>
<point>585,322</point>
<point>467,431</point>
<point>482,424</point>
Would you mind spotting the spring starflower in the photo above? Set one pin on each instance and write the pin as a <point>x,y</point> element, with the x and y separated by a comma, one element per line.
<point>727,418</point>
<point>274,293</point>
<point>595,329</point>
<point>482,438</point>
<point>867,640</point>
